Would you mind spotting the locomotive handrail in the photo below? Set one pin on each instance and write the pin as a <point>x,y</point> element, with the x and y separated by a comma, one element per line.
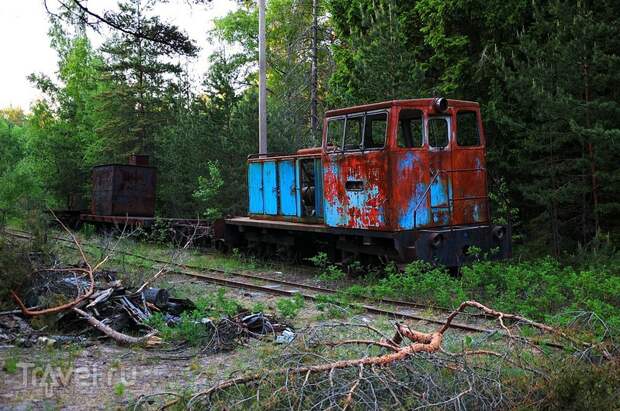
<point>415,210</point>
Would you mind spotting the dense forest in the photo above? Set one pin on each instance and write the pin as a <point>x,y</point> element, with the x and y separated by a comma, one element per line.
<point>546,73</point>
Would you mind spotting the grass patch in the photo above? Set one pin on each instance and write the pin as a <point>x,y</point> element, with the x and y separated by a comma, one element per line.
<point>10,365</point>
<point>192,326</point>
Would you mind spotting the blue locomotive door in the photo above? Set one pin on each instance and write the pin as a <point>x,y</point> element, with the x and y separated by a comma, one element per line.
<point>255,188</point>
<point>288,193</point>
<point>440,164</point>
<point>270,188</point>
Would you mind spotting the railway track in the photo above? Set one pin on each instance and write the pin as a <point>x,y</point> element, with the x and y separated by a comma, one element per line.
<point>281,287</point>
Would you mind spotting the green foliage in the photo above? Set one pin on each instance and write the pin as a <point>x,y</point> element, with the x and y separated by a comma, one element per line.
<point>552,105</point>
<point>290,307</point>
<point>504,213</point>
<point>259,308</point>
<point>15,270</point>
<point>209,189</point>
<point>10,365</point>
<point>119,389</point>
<point>329,272</point>
<point>542,289</point>
<point>192,326</point>
<point>332,273</point>
<point>579,386</point>
<point>420,281</point>
<point>339,306</point>
<point>320,260</point>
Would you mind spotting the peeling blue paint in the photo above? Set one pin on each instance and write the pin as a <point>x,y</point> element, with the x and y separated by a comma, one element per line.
<point>407,162</point>
<point>333,215</point>
<point>476,213</point>
<point>439,192</point>
<point>422,215</point>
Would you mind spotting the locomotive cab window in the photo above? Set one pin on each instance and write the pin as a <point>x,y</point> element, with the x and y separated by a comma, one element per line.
<point>438,132</point>
<point>467,132</point>
<point>410,129</point>
<point>353,133</point>
<point>375,130</point>
<point>335,131</point>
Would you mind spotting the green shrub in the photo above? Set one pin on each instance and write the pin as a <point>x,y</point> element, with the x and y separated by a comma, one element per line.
<point>542,289</point>
<point>15,270</point>
<point>290,307</point>
<point>420,282</point>
<point>329,272</point>
<point>581,386</point>
<point>332,273</point>
<point>10,365</point>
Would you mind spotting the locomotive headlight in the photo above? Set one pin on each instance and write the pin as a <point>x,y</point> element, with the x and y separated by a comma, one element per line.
<point>499,232</point>
<point>436,240</point>
<point>440,104</point>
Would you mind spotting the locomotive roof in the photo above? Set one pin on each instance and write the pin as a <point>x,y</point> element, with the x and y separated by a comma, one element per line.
<point>418,102</point>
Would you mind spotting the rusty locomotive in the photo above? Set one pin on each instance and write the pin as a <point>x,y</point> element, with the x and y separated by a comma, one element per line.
<point>399,180</point>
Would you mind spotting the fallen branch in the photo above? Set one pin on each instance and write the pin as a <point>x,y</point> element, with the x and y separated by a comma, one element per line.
<point>419,343</point>
<point>123,339</point>
<point>501,316</point>
<point>91,278</point>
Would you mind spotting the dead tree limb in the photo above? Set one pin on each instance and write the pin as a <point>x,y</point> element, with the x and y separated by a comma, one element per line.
<point>90,270</point>
<point>501,316</point>
<point>123,339</point>
<point>419,343</point>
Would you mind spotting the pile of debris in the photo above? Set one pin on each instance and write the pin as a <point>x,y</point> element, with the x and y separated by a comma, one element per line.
<point>226,333</point>
<point>78,295</point>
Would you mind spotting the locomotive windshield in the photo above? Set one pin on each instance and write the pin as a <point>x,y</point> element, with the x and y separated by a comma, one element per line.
<point>357,131</point>
<point>438,132</point>
<point>410,129</point>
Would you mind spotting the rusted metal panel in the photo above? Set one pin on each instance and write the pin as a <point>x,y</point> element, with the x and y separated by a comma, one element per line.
<point>410,202</point>
<point>123,190</point>
<point>356,190</point>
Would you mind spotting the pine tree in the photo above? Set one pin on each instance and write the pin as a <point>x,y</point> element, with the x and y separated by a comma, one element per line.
<point>143,78</point>
<point>559,120</point>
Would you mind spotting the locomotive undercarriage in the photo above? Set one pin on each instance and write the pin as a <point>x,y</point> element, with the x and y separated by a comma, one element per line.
<point>450,246</point>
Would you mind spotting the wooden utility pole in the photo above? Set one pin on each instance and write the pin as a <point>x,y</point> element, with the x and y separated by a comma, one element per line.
<point>314,115</point>
<point>262,79</point>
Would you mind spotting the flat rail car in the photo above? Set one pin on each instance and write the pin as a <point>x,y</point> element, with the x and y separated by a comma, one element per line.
<point>402,180</point>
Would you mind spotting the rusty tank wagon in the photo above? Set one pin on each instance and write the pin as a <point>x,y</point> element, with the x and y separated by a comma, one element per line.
<point>400,180</point>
